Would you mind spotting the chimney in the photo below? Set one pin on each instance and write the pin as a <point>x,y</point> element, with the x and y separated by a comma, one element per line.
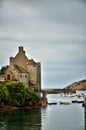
<point>20,49</point>
<point>11,61</point>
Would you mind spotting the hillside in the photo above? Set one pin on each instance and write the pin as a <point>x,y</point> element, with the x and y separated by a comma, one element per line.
<point>80,85</point>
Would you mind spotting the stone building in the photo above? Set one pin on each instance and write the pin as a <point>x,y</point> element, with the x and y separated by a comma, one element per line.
<point>24,70</point>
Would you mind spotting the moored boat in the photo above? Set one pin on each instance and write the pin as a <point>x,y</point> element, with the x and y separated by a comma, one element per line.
<point>64,103</point>
<point>77,101</point>
<point>52,103</point>
<point>74,101</point>
<point>80,101</point>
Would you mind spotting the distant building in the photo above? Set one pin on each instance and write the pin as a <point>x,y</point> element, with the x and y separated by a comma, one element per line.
<point>24,70</point>
<point>2,78</point>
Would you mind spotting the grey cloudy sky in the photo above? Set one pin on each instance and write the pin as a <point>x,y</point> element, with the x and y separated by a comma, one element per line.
<point>52,32</point>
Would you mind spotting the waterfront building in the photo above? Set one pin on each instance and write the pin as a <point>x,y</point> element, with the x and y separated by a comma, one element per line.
<point>24,70</point>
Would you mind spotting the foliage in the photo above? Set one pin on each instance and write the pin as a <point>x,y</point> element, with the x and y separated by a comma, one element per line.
<point>16,93</point>
<point>3,69</point>
<point>4,93</point>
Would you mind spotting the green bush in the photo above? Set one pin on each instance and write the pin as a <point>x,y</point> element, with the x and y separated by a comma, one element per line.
<point>4,94</point>
<point>20,94</point>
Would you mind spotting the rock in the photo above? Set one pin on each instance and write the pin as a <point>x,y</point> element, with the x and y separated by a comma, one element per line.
<point>80,85</point>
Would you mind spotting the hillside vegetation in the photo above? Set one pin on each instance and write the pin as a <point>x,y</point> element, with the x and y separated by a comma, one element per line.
<point>17,94</point>
<point>80,85</point>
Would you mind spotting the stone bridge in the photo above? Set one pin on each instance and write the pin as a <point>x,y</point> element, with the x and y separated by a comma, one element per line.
<point>55,91</point>
<point>52,91</point>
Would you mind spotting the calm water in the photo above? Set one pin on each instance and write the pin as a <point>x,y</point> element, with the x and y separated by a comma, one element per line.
<point>53,117</point>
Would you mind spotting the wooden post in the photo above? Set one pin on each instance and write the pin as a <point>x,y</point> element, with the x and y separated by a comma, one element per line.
<point>85,111</point>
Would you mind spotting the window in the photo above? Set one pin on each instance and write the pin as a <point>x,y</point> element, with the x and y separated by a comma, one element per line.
<point>25,76</point>
<point>8,76</point>
<point>20,75</point>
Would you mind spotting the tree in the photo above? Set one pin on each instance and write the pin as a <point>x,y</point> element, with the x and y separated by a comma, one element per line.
<point>4,94</point>
<point>20,94</point>
<point>3,69</point>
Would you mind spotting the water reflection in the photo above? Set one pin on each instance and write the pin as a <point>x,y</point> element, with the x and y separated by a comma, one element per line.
<point>21,120</point>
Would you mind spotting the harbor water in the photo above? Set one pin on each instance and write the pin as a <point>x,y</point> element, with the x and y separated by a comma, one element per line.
<point>52,117</point>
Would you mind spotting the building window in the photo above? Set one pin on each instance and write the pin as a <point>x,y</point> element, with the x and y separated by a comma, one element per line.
<point>25,76</point>
<point>20,75</point>
<point>8,76</point>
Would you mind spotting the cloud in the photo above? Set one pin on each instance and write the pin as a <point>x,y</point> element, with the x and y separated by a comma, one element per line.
<point>62,73</point>
<point>53,32</point>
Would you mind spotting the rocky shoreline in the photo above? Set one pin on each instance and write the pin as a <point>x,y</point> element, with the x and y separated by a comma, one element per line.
<point>7,108</point>
<point>11,108</point>
<point>41,103</point>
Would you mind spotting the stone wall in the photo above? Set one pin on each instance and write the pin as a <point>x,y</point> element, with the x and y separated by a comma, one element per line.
<point>20,58</point>
<point>31,67</point>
